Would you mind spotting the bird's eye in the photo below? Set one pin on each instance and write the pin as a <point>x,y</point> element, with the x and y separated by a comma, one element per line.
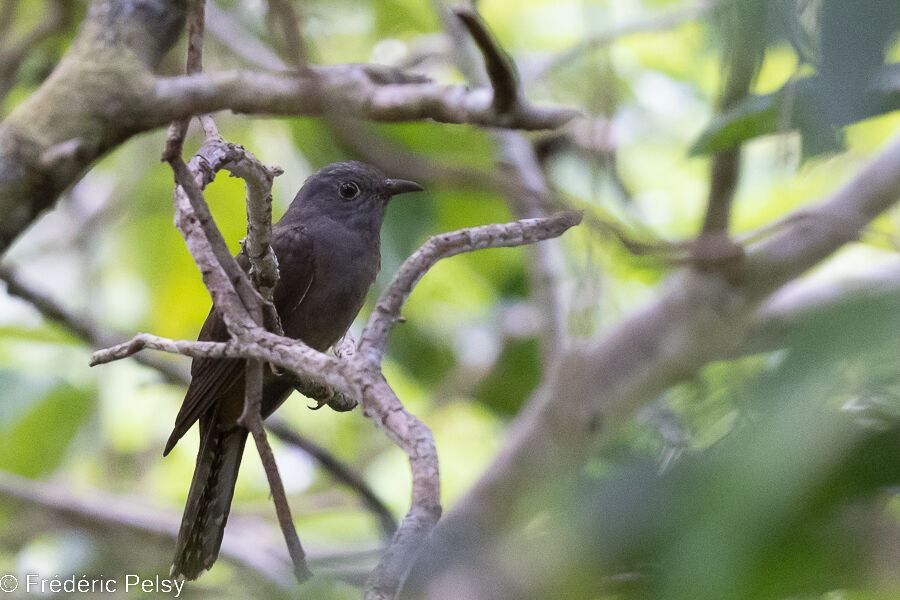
<point>348,190</point>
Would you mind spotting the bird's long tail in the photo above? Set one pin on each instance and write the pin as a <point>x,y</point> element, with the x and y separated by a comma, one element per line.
<point>209,500</point>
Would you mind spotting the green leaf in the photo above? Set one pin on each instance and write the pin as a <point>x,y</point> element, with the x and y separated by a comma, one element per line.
<point>36,442</point>
<point>803,100</point>
<point>516,373</point>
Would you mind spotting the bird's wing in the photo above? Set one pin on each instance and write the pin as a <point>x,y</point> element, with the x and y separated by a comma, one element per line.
<point>213,379</point>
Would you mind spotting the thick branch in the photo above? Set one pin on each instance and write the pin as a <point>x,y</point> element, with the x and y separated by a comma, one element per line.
<point>361,91</point>
<point>701,318</point>
<point>103,92</point>
<point>85,108</point>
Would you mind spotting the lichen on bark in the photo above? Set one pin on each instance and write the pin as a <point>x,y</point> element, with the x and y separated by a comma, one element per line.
<point>92,101</point>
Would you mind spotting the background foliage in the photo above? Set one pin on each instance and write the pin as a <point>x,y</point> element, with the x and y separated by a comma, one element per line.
<point>768,476</point>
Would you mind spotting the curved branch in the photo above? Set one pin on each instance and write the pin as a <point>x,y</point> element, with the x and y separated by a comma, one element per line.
<point>501,70</point>
<point>384,408</point>
<point>518,233</point>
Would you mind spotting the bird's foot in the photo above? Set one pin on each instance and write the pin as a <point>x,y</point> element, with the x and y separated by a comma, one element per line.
<point>323,396</point>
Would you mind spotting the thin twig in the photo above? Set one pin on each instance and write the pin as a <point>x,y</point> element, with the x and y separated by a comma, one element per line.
<point>294,47</point>
<point>229,286</point>
<point>742,55</point>
<point>501,70</point>
<point>257,245</point>
<point>251,420</point>
<point>526,191</point>
<point>178,129</point>
<point>211,247</point>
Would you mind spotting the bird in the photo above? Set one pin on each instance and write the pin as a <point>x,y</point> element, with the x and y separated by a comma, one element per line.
<point>328,248</point>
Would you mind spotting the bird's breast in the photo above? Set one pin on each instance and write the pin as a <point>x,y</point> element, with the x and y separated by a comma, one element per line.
<point>343,270</point>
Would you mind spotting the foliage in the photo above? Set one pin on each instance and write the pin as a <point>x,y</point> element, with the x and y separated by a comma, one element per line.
<point>781,478</point>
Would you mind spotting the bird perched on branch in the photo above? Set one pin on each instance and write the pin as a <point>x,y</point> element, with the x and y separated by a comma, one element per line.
<point>329,251</point>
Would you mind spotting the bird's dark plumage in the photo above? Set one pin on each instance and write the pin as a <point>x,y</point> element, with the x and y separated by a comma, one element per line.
<point>328,249</point>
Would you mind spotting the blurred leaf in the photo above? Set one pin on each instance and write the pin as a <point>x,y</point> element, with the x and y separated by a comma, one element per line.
<point>19,394</point>
<point>427,357</point>
<point>37,442</point>
<point>515,374</point>
<point>803,101</point>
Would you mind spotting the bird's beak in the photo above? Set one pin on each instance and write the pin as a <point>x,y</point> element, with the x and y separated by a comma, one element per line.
<point>402,186</point>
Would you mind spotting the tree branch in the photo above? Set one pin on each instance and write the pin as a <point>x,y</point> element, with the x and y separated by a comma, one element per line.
<point>294,48</point>
<point>209,249</point>
<point>518,233</point>
<point>524,186</point>
<point>251,419</point>
<point>196,20</point>
<point>701,318</point>
<point>359,376</point>
<point>361,91</point>
<point>101,509</point>
<point>82,327</point>
<point>86,105</point>
<point>104,92</point>
<point>743,49</point>
<point>384,408</point>
<point>500,68</point>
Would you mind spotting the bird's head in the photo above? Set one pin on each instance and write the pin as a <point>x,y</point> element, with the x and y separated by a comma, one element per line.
<point>351,192</point>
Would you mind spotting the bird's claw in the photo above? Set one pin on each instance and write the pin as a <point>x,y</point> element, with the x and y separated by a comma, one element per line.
<point>337,403</point>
